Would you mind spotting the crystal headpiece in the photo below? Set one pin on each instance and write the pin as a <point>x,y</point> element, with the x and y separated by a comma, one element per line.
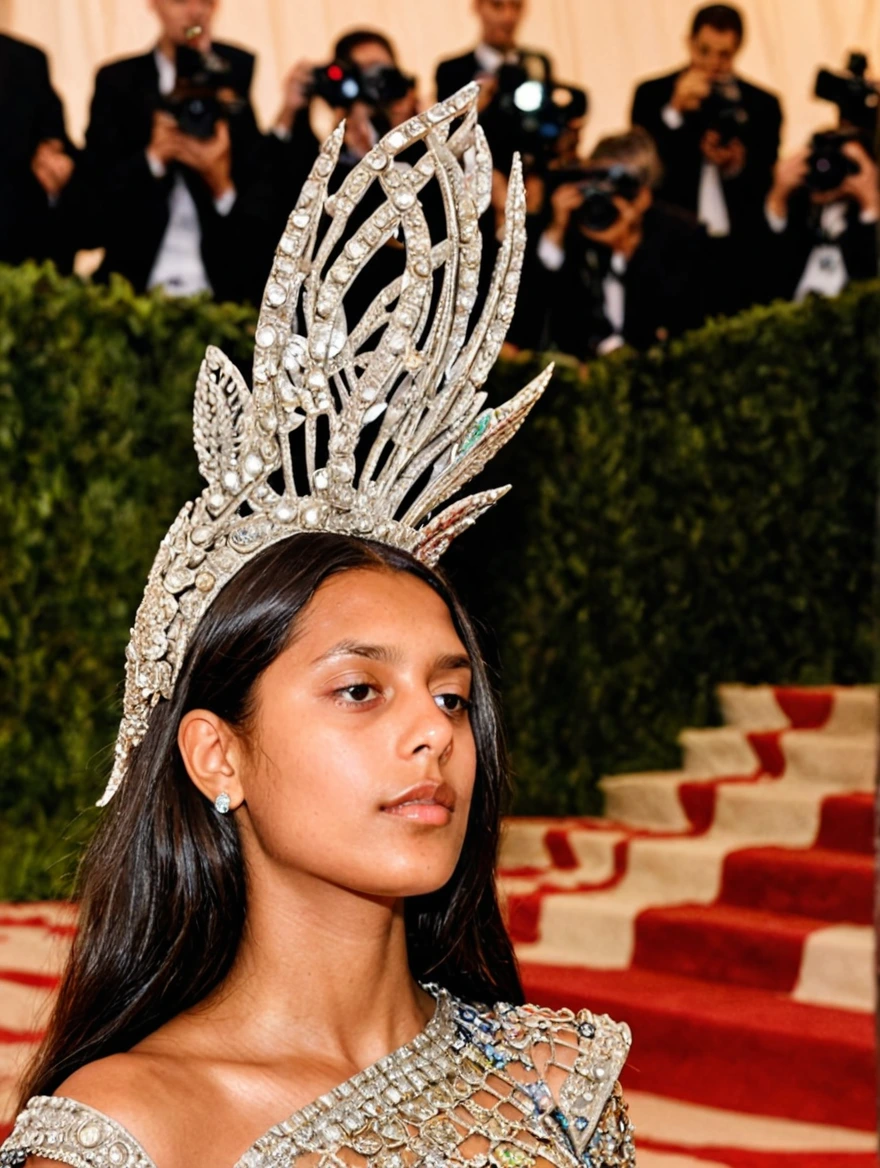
<point>400,387</point>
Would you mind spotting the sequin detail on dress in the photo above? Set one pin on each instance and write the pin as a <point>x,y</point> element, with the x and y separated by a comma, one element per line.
<point>508,1087</point>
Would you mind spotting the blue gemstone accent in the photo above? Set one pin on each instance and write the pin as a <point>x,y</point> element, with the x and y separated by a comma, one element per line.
<point>580,1123</point>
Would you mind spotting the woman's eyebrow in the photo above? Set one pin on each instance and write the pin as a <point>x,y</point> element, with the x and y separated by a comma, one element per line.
<point>358,649</point>
<point>445,661</point>
<point>453,661</point>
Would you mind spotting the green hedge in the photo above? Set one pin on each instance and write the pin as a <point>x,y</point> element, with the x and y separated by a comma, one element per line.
<point>681,518</point>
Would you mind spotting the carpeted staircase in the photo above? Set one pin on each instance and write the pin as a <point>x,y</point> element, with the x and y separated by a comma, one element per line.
<point>725,911</point>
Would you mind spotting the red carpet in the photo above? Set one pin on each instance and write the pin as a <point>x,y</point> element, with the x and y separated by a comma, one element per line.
<point>725,913</point>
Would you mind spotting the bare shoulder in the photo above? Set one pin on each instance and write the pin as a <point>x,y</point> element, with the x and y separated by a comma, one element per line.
<point>131,1090</point>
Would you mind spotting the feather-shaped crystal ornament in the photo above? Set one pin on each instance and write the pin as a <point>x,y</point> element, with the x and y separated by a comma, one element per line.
<point>366,427</point>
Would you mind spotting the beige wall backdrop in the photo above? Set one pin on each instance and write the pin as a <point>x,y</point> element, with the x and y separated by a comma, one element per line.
<point>604,45</point>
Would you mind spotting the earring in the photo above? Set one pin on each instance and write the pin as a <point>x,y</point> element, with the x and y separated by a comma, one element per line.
<point>222,802</point>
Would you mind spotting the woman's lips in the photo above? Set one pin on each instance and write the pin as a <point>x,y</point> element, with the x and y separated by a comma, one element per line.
<point>430,803</point>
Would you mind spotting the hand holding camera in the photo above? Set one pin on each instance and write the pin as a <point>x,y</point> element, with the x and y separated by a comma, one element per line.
<point>52,166</point>
<point>691,90</point>
<point>729,156</point>
<point>209,157</point>
<point>297,94</point>
<point>789,174</point>
<point>864,185</point>
<point>565,201</point>
<point>165,139</point>
<point>602,202</point>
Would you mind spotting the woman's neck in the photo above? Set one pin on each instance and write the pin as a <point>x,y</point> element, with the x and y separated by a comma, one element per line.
<point>323,968</point>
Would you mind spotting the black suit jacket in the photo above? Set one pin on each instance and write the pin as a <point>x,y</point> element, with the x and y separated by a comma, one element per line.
<point>682,158</point>
<point>129,207</point>
<point>666,286</point>
<point>786,252</point>
<point>30,112</point>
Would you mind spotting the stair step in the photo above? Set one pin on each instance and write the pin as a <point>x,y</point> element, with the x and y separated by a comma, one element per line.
<point>846,761</point>
<point>727,1046</point>
<point>839,709</point>
<point>848,823</point>
<point>783,810</point>
<point>729,943</point>
<point>817,882</point>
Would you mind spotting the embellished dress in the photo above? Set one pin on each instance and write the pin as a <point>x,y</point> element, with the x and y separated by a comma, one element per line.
<point>501,1087</point>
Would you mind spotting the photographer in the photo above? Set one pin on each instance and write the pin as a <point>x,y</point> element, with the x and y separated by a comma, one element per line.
<point>718,139</point>
<point>37,160</point>
<point>172,151</point>
<point>822,212</point>
<point>500,66</point>
<point>617,268</point>
<point>363,84</point>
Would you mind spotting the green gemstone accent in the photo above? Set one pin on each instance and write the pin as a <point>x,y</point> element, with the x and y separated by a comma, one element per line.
<point>510,1157</point>
<point>479,428</point>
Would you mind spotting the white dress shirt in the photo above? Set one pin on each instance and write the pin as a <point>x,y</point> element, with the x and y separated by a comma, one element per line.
<point>711,203</point>
<point>825,271</point>
<point>491,59</point>
<point>179,267</point>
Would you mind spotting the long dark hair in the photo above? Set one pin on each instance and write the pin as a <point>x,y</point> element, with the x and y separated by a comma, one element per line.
<point>161,887</point>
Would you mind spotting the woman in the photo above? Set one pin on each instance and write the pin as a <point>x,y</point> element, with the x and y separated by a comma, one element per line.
<point>295,875</point>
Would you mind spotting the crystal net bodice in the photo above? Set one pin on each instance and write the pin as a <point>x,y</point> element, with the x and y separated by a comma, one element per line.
<point>501,1087</point>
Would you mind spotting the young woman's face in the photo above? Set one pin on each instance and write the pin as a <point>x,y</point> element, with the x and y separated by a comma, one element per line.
<point>361,759</point>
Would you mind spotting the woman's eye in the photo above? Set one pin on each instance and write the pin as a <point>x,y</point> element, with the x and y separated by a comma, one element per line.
<point>452,703</point>
<point>359,693</point>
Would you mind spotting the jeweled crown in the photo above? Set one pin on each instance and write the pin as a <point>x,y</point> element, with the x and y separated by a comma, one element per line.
<point>399,391</point>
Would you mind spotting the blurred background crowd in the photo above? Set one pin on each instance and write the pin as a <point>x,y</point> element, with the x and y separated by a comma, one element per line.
<point>689,208</point>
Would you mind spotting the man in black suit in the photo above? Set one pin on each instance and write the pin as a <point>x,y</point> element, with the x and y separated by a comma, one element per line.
<point>822,237</point>
<point>174,204</point>
<point>36,159</point>
<point>496,57</point>
<point>718,139</point>
<point>638,280</point>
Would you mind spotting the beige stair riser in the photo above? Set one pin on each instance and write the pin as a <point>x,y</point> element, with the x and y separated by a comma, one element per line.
<point>781,810</point>
<point>846,760</point>
<point>838,969</point>
<point>751,707</point>
<point>718,752</point>
<point>648,800</point>
<point>523,846</point>
<point>854,709</point>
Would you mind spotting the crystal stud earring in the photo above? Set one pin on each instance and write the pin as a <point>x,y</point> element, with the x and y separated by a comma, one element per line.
<point>222,802</point>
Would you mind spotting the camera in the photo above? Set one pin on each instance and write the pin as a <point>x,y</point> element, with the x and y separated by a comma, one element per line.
<point>202,93</point>
<point>827,165</point>
<point>341,84</point>
<point>723,112</point>
<point>539,108</point>
<point>855,97</point>
<point>599,186</point>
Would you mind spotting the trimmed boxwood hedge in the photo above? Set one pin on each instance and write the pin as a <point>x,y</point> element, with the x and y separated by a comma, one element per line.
<point>696,514</point>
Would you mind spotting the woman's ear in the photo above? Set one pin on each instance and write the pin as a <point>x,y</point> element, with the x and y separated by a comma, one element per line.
<point>212,755</point>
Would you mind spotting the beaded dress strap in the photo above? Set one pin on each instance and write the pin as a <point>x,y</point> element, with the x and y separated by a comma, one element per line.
<point>69,1132</point>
